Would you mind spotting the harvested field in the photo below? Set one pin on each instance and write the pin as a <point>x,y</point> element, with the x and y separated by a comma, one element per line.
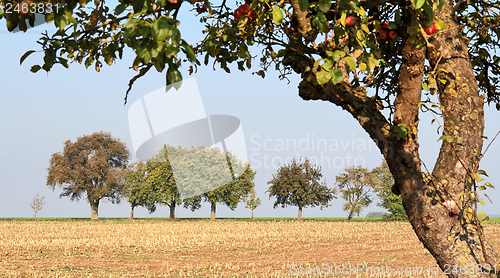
<point>220,248</point>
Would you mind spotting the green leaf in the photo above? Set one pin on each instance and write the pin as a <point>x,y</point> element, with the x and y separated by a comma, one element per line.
<point>418,3</point>
<point>63,62</point>
<point>277,15</point>
<point>365,28</point>
<point>362,67</point>
<point>120,8</point>
<point>50,56</point>
<point>35,68</point>
<point>324,5</point>
<point>402,131</point>
<point>303,5</point>
<point>449,139</point>
<point>144,55</point>
<point>351,63</point>
<point>173,75</point>
<point>392,26</point>
<point>189,52</point>
<point>323,77</point>
<point>328,65</point>
<point>482,172</point>
<point>320,22</point>
<point>145,30</point>
<point>489,185</point>
<point>161,29</point>
<point>397,17</point>
<point>61,20</point>
<point>337,54</point>
<point>140,6</point>
<point>429,15</point>
<point>28,53</point>
<point>488,198</point>
<point>337,76</point>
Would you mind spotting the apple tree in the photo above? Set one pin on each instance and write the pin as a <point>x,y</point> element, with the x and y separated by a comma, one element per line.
<point>298,184</point>
<point>152,183</point>
<point>433,56</point>
<point>214,165</point>
<point>94,167</point>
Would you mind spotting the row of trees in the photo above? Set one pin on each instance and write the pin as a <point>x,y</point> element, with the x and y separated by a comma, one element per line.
<point>298,184</point>
<point>95,166</point>
<point>152,183</point>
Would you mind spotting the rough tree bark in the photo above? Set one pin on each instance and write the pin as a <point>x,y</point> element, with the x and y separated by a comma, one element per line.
<point>299,217</point>
<point>349,217</point>
<point>172,210</point>
<point>132,207</point>
<point>213,206</point>
<point>94,209</point>
<point>439,209</point>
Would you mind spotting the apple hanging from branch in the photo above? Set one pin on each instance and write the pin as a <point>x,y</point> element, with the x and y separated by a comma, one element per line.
<point>430,30</point>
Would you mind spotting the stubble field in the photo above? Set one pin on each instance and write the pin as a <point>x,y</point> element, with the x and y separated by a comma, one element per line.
<point>220,248</point>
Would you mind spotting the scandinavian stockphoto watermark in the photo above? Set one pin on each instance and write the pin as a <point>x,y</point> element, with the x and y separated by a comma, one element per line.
<point>365,269</point>
<point>267,152</point>
<point>175,116</point>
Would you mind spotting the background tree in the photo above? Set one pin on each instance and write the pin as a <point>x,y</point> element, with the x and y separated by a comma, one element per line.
<point>94,166</point>
<point>377,78</point>
<point>298,184</point>
<point>37,204</point>
<point>373,214</point>
<point>355,186</point>
<point>390,201</point>
<point>252,201</point>
<point>137,190</point>
<point>161,179</point>
<point>152,183</point>
<point>215,164</point>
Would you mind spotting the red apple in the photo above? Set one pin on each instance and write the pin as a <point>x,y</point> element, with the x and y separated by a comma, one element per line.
<point>383,34</point>
<point>24,7</point>
<point>339,21</point>
<point>349,21</point>
<point>392,34</point>
<point>241,11</point>
<point>237,14</point>
<point>251,14</point>
<point>386,25</point>
<point>431,29</point>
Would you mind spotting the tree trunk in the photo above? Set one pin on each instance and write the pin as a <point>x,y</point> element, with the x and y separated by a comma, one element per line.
<point>34,215</point>
<point>252,214</point>
<point>299,217</point>
<point>172,210</point>
<point>440,209</point>
<point>212,210</point>
<point>349,217</point>
<point>94,209</point>
<point>132,206</point>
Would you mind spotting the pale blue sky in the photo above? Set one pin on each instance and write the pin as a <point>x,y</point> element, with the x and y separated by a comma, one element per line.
<point>38,112</point>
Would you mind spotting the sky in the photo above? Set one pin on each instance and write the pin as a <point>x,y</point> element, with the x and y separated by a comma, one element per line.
<point>39,112</point>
